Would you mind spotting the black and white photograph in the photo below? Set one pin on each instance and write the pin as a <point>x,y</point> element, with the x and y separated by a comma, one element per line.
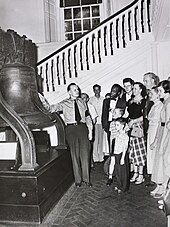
<point>84,113</point>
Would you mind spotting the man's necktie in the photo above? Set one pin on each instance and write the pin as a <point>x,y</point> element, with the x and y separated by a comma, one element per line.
<point>77,113</point>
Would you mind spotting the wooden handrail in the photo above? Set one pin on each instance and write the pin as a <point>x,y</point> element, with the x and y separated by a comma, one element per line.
<point>75,40</point>
<point>112,34</point>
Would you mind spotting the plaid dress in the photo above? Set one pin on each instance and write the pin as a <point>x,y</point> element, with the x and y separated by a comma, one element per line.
<point>137,146</point>
<point>137,151</point>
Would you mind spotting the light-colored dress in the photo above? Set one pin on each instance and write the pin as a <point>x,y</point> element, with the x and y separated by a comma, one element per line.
<point>166,153</point>
<point>154,123</point>
<point>167,156</point>
<point>160,162</point>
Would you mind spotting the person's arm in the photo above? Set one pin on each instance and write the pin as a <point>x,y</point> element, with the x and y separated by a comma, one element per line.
<point>89,126</point>
<point>154,144</point>
<point>93,113</point>
<point>88,120</point>
<point>51,108</point>
<point>158,114</point>
<point>133,121</point>
<point>168,125</point>
<point>165,131</point>
<point>105,114</point>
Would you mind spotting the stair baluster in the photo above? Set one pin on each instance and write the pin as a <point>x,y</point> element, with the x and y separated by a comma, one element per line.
<point>123,31</point>
<point>98,43</point>
<point>63,67</point>
<point>69,63</point>
<point>142,16</point>
<point>52,75</point>
<point>136,23</point>
<point>129,26</point>
<point>111,36</point>
<point>75,61</point>
<point>117,33</point>
<point>58,73</point>
<point>105,42</point>
<point>46,76</point>
<point>87,53</point>
<point>148,15</point>
<point>81,55</point>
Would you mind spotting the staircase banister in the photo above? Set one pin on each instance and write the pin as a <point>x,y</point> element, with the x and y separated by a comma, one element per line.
<point>88,32</point>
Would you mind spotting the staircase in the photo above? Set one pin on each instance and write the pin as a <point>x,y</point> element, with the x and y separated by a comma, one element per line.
<point>115,49</point>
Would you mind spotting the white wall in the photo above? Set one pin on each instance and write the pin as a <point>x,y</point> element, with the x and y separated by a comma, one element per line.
<point>120,4</point>
<point>109,7</point>
<point>163,50</point>
<point>26,17</point>
<point>45,49</point>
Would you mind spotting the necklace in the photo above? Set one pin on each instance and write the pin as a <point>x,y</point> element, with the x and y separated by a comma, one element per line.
<point>137,99</point>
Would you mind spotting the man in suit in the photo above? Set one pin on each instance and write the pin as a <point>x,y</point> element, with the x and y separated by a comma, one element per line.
<point>128,94</point>
<point>128,86</point>
<point>116,100</point>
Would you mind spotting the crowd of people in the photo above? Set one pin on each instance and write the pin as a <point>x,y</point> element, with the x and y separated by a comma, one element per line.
<point>128,130</point>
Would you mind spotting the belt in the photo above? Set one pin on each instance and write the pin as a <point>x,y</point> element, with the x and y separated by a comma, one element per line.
<point>80,123</point>
<point>162,124</point>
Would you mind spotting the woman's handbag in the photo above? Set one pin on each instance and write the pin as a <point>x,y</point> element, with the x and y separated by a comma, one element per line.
<point>137,130</point>
<point>166,199</point>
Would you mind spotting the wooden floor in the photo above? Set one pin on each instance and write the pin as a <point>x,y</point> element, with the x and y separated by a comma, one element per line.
<point>101,206</point>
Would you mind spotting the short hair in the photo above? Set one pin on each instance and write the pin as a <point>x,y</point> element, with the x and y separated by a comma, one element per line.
<point>69,86</point>
<point>121,110</point>
<point>155,88</point>
<point>119,88</point>
<point>130,80</point>
<point>85,94</point>
<point>107,94</point>
<point>122,120</point>
<point>166,85</point>
<point>153,76</point>
<point>143,88</point>
<point>96,85</point>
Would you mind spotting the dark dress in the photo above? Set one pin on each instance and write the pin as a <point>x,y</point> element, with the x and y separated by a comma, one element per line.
<point>137,146</point>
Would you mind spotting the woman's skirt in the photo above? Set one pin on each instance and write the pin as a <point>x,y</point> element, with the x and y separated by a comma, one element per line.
<point>137,151</point>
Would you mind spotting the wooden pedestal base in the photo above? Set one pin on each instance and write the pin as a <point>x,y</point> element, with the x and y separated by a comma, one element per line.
<point>28,196</point>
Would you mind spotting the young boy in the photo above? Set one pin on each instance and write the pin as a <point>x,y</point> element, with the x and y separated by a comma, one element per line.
<point>121,157</point>
<point>116,113</point>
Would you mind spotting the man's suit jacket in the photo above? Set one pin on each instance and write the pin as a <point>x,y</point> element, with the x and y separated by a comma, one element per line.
<point>121,103</point>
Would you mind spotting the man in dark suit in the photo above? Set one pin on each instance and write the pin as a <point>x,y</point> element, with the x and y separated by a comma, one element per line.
<point>128,86</point>
<point>116,100</point>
